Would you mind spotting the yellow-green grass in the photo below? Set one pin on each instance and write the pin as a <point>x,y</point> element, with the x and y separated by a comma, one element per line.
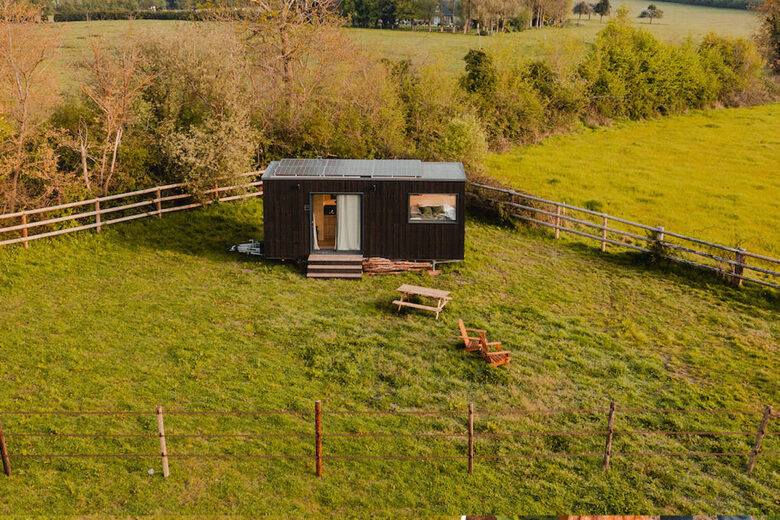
<point>714,174</point>
<point>158,312</point>
<point>448,49</point>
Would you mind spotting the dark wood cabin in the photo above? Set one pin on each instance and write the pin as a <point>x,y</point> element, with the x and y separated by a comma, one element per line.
<point>337,211</point>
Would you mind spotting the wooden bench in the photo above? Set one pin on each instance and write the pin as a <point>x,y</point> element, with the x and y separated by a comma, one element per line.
<point>497,357</point>
<point>407,291</point>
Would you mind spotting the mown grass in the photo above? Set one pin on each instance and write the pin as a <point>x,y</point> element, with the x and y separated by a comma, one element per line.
<point>713,174</point>
<point>157,312</point>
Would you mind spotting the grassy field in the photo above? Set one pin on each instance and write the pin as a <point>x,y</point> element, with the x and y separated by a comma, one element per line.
<point>713,175</point>
<point>157,312</point>
<point>679,22</point>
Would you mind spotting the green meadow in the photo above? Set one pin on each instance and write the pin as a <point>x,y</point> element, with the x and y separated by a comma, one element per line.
<point>712,174</point>
<point>157,312</point>
<point>447,49</point>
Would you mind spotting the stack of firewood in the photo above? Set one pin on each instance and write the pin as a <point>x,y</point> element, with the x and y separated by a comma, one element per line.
<point>377,265</point>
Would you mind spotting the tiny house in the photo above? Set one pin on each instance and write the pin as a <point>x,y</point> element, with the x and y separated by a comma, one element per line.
<point>339,211</point>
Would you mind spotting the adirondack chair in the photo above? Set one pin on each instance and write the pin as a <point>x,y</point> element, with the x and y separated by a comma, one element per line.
<point>496,357</point>
<point>471,343</point>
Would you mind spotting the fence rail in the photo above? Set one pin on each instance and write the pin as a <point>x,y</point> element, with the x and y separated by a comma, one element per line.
<point>317,416</point>
<point>729,262</point>
<point>33,224</point>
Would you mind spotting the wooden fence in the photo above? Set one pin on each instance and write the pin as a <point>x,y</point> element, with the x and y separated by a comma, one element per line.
<point>608,230</point>
<point>731,263</point>
<point>462,426</point>
<point>152,202</point>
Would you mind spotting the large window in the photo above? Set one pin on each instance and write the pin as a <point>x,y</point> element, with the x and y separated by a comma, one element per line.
<point>433,207</point>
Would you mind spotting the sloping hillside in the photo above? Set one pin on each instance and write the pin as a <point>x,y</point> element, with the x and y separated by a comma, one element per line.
<point>157,312</point>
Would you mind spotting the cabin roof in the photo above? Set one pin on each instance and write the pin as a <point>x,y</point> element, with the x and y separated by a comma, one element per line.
<point>399,169</point>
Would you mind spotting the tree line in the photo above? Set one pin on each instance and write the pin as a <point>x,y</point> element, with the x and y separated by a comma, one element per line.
<point>225,96</point>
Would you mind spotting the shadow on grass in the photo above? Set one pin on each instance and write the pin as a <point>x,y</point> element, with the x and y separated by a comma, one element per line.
<point>208,232</point>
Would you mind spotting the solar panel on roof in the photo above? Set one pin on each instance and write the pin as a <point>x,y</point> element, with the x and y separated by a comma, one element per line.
<point>348,168</point>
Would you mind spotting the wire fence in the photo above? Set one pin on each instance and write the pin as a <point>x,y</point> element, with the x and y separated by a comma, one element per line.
<point>467,435</point>
<point>735,265</point>
<point>26,226</point>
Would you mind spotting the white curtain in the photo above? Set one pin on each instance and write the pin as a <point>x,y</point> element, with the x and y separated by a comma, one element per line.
<point>315,242</point>
<point>348,222</point>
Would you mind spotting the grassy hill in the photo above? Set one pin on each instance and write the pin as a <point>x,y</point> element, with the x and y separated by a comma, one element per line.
<point>712,175</point>
<point>157,312</point>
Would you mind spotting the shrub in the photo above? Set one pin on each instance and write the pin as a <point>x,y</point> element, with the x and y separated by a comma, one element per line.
<point>631,74</point>
<point>198,108</point>
<point>736,64</point>
<point>464,140</point>
<point>83,16</point>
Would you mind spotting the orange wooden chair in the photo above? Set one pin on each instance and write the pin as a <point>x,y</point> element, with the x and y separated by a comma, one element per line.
<point>496,357</point>
<point>471,343</point>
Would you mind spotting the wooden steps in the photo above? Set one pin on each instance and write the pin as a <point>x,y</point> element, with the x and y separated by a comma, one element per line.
<point>348,267</point>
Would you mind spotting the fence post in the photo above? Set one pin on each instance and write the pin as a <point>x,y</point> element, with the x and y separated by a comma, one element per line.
<point>557,220</point>
<point>759,438</point>
<point>610,432</point>
<point>159,203</point>
<point>563,210</point>
<point>603,233</point>
<point>24,230</point>
<point>4,450</point>
<point>659,234</point>
<point>318,436</point>
<point>471,438</point>
<point>163,450</point>
<point>738,268</point>
<point>97,215</point>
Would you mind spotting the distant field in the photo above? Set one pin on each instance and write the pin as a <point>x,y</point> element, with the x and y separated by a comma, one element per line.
<point>679,21</point>
<point>714,174</point>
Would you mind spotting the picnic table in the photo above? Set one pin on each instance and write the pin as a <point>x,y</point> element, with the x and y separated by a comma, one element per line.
<point>407,291</point>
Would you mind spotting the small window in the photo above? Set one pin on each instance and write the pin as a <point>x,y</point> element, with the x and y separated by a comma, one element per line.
<point>433,207</point>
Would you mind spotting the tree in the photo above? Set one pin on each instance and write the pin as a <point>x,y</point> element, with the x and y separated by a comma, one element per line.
<point>602,8</point>
<point>199,106</point>
<point>27,97</point>
<point>768,35</point>
<point>651,12</point>
<point>425,10</point>
<point>583,8</point>
<point>466,8</point>
<point>287,31</point>
<point>481,76</point>
<point>113,79</point>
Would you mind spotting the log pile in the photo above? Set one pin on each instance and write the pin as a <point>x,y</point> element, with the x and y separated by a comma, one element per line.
<point>377,265</point>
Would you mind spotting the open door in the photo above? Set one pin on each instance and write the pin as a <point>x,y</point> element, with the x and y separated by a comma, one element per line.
<point>336,222</point>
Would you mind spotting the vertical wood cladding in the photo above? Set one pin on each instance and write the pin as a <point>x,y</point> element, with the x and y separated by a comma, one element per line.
<point>386,229</point>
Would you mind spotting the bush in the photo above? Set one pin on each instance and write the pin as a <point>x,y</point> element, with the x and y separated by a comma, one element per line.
<point>197,111</point>
<point>83,16</point>
<point>518,101</point>
<point>464,140</point>
<point>631,74</point>
<point>736,65</point>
